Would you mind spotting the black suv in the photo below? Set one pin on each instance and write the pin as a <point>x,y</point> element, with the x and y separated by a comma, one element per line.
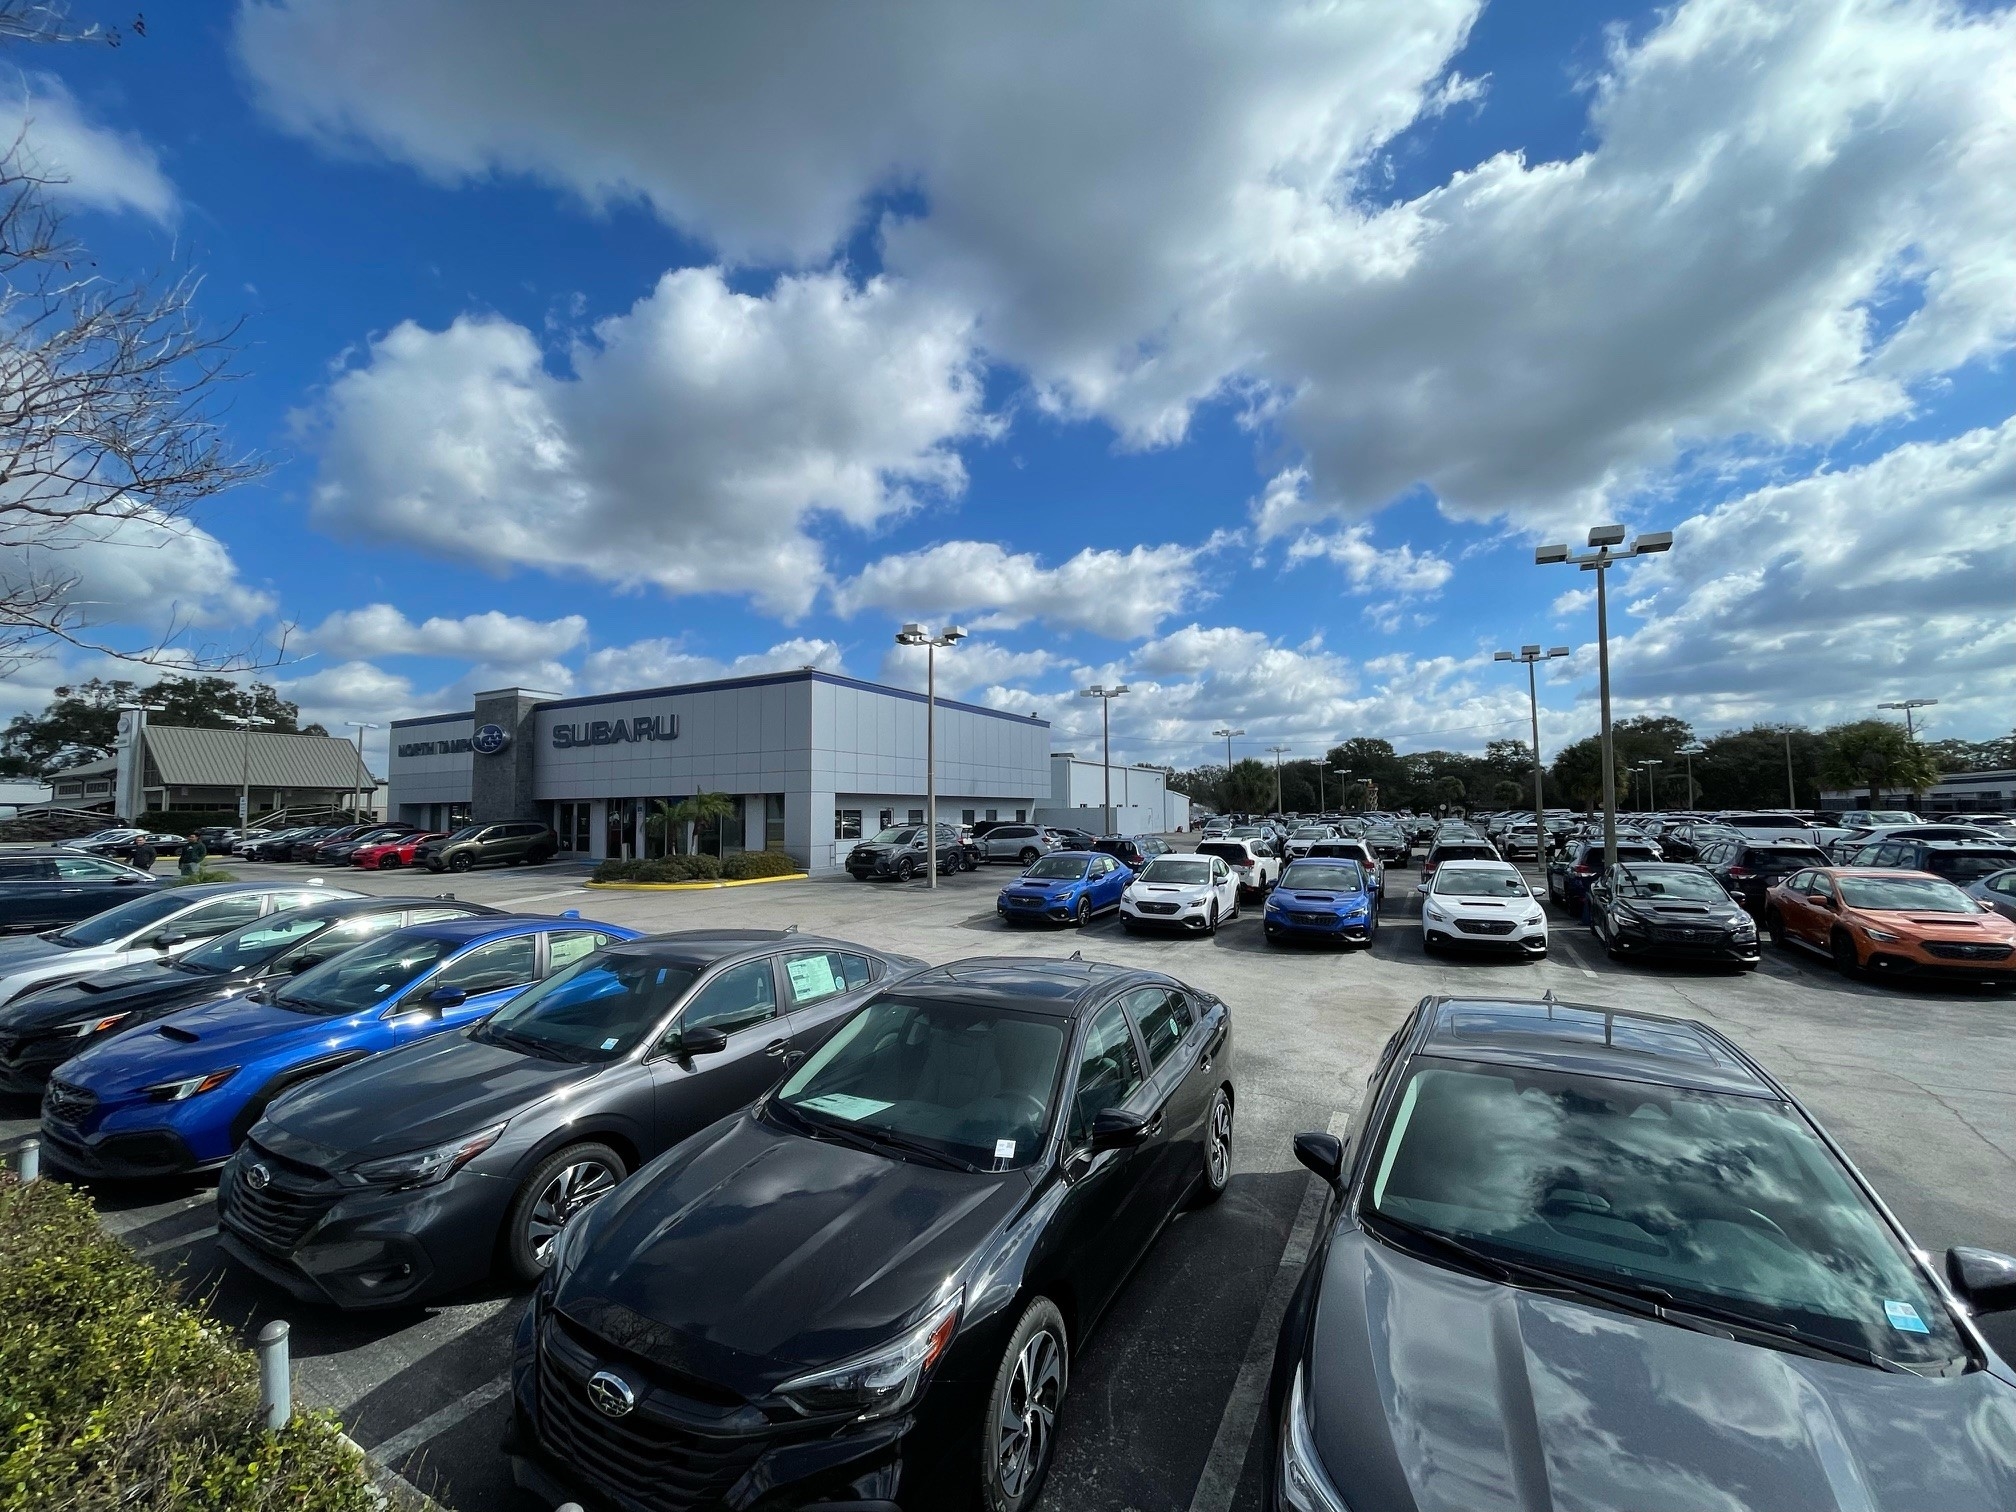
<point>1750,868</point>
<point>508,844</point>
<point>898,853</point>
<point>1960,862</point>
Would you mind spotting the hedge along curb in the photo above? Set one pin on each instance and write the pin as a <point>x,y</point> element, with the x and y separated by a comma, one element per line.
<point>697,886</point>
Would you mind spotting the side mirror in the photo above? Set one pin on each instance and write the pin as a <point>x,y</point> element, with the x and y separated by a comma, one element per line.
<point>701,1041</point>
<point>1117,1129</point>
<point>1820,900</point>
<point>446,997</point>
<point>1984,1279</point>
<point>126,881</point>
<point>1323,1154</point>
<point>168,941</point>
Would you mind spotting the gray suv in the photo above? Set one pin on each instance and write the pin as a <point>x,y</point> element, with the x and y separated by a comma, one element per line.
<point>488,845</point>
<point>1016,842</point>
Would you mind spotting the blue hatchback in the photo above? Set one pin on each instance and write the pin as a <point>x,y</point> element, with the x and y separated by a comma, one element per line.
<point>1065,887</point>
<point>1327,900</point>
<point>180,1093</point>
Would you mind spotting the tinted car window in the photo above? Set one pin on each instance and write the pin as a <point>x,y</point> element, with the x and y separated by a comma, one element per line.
<point>1772,858</point>
<point>1162,1016</point>
<point>857,970</point>
<point>492,967</point>
<point>1225,850</point>
<point>25,869</point>
<point>1905,894</point>
<point>1692,887</point>
<point>599,1008</point>
<point>365,978</point>
<point>1330,876</point>
<point>1968,866</point>
<point>813,975</point>
<point>86,869</point>
<point>117,923</point>
<point>1108,1072</point>
<point>344,934</point>
<point>737,998</point>
<point>1467,882</point>
<point>220,914</point>
<point>1065,868</point>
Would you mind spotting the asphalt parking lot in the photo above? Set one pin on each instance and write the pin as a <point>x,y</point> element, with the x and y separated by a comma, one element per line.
<point>1919,1084</point>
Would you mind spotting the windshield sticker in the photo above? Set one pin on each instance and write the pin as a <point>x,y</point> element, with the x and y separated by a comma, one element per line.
<point>609,1044</point>
<point>844,1105</point>
<point>812,977</point>
<point>1004,1149</point>
<point>1904,1317</point>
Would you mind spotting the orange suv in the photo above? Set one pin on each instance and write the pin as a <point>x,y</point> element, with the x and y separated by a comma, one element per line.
<point>1892,923</point>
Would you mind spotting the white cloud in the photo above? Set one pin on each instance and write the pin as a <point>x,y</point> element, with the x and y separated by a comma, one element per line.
<point>687,448</point>
<point>661,662</point>
<point>967,666</point>
<point>98,168</point>
<point>141,569</point>
<point>1369,568</point>
<point>495,638</point>
<point>1121,594</point>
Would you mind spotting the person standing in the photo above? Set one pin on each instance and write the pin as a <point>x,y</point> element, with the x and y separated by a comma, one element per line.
<point>192,856</point>
<point>144,854</point>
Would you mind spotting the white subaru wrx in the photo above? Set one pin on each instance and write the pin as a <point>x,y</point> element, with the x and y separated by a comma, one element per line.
<point>1193,893</point>
<point>1483,905</point>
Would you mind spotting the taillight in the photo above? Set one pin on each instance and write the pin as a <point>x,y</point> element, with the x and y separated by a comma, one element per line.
<point>1585,870</point>
<point>1740,873</point>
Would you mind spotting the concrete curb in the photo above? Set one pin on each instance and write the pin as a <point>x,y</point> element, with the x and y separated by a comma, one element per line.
<point>697,886</point>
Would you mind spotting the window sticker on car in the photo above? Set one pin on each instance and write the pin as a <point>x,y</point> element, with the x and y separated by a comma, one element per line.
<point>812,976</point>
<point>1904,1317</point>
<point>1004,1149</point>
<point>846,1105</point>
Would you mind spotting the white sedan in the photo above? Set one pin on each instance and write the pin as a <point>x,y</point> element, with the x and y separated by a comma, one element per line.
<point>1194,893</point>
<point>1484,905</point>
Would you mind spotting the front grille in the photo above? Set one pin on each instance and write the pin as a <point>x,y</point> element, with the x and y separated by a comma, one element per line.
<point>1158,908</point>
<point>279,1215</point>
<point>1027,902</point>
<point>1313,918</point>
<point>645,1459</point>
<point>1954,950</point>
<point>1485,926</point>
<point>68,1104</point>
<point>1685,936</point>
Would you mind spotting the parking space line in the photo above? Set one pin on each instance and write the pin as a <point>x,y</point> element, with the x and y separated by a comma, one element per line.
<point>124,1223</point>
<point>396,1448</point>
<point>565,892</point>
<point>166,1245</point>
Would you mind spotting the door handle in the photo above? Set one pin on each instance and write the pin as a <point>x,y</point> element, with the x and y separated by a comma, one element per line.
<point>1154,1125</point>
<point>777,1047</point>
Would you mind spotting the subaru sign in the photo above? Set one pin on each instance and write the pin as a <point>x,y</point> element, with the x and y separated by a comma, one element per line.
<point>604,732</point>
<point>490,739</point>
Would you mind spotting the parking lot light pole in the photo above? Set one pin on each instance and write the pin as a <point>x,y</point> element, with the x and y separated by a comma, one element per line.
<point>1228,732</point>
<point>1279,752</point>
<point>245,723</point>
<point>915,635</point>
<point>1606,547</point>
<point>1651,783</point>
<point>1907,705</point>
<point>1341,773</point>
<point>1106,695</point>
<point>1690,750</point>
<point>1532,656</point>
<point>357,795</point>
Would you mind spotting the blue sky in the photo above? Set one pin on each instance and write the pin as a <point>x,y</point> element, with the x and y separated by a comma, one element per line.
<point>1241,352</point>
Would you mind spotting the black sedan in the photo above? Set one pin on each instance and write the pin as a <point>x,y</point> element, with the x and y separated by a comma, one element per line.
<point>1581,1258</point>
<point>408,1174</point>
<point>1662,908</point>
<point>39,1033</point>
<point>867,1291</point>
<point>44,889</point>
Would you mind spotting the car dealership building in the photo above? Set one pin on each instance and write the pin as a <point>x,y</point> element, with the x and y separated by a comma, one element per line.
<point>810,762</point>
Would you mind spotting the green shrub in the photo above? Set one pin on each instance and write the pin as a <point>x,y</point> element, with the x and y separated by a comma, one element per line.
<point>615,871</point>
<point>202,874</point>
<point>763,863</point>
<point>661,869</point>
<point>115,1397</point>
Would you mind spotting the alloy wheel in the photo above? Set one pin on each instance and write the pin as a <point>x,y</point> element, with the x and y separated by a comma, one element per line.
<point>1028,1414</point>
<point>572,1188</point>
<point>1218,1142</point>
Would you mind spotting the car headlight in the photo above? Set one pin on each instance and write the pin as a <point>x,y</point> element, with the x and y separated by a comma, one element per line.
<point>79,1028</point>
<point>1878,934</point>
<point>1744,925</point>
<point>1429,911</point>
<point>422,1168</point>
<point>1305,1484</point>
<point>883,1381</point>
<point>188,1086</point>
<point>1535,920</point>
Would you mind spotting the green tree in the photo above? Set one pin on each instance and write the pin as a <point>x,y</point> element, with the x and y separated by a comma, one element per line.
<point>1875,756</point>
<point>701,808</point>
<point>1577,772</point>
<point>1746,768</point>
<point>82,721</point>
<point>1450,791</point>
<point>1248,787</point>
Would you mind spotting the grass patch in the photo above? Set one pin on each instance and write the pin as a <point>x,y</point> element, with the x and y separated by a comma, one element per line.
<point>117,1397</point>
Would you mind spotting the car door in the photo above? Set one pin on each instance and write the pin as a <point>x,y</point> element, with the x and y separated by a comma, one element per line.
<point>693,1091</point>
<point>822,988</point>
<point>1179,1090</point>
<point>25,882</point>
<point>486,974</point>
<point>1107,1214</point>
<point>1224,887</point>
<point>86,885</point>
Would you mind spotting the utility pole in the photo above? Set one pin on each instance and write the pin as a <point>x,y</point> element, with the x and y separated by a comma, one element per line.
<point>1106,696</point>
<point>1791,787</point>
<point>915,635</point>
<point>1532,656</point>
<point>1279,752</point>
<point>356,795</point>
<point>1342,773</point>
<point>1690,750</point>
<point>245,723</point>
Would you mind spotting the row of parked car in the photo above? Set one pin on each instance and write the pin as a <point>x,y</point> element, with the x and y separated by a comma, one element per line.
<point>811,1222</point>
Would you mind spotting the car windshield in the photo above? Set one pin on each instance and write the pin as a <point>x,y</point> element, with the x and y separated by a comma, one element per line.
<point>1689,887</point>
<point>1325,876</point>
<point>961,1083</point>
<point>1463,853</point>
<point>901,834</point>
<point>117,923</point>
<point>363,978</point>
<point>1479,882</point>
<point>1057,869</point>
<point>467,832</point>
<point>1784,858</point>
<point>1179,873</point>
<point>598,1009</point>
<point>1313,832</point>
<point>1722,1201</point>
<point>255,944</point>
<point>1890,816</point>
<point>1905,895</point>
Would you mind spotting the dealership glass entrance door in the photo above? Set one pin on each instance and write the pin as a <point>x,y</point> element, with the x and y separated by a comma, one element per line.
<point>570,823</point>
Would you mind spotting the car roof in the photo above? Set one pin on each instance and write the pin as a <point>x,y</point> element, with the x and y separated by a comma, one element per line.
<point>1660,866</point>
<point>703,947</point>
<point>342,908</point>
<point>1590,1040</point>
<point>201,890</point>
<point>1033,984</point>
<point>463,930</point>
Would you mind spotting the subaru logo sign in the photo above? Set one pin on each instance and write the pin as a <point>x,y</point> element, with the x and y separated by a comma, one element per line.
<point>490,739</point>
<point>258,1177</point>
<point>611,1394</point>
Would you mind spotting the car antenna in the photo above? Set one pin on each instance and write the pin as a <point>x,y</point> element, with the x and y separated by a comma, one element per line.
<point>790,929</point>
<point>1077,955</point>
<point>444,897</point>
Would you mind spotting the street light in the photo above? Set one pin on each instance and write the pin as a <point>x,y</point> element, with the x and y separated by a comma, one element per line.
<point>1341,772</point>
<point>1106,696</point>
<point>1228,732</point>
<point>1279,752</point>
<point>1606,547</point>
<point>1532,656</point>
<point>1690,750</point>
<point>1907,705</point>
<point>356,793</point>
<point>245,723</point>
<point>1651,782</point>
<point>916,635</point>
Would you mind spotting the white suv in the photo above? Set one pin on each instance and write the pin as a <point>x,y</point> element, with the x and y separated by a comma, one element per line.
<point>1254,868</point>
<point>1484,904</point>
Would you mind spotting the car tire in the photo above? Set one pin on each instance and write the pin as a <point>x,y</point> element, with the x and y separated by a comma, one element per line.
<point>1082,914</point>
<point>1217,1161</point>
<point>388,863</point>
<point>460,863</point>
<point>1211,922</point>
<point>1029,856</point>
<point>968,861</point>
<point>905,869</point>
<point>1774,924</point>
<point>434,865</point>
<point>1018,1431</point>
<point>1846,961</point>
<point>559,1187</point>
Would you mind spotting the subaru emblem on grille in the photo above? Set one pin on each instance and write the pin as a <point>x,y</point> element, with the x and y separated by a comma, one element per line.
<point>611,1394</point>
<point>258,1177</point>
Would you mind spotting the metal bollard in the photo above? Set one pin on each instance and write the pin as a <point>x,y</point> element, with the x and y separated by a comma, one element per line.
<point>276,1382</point>
<point>28,1160</point>
<point>568,1507</point>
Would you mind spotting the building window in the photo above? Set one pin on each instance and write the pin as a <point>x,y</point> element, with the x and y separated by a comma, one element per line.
<point>966,816</point>
<point>773,821</point>
<point>846,824</point>
<point>1021,815</point>
<point>992,815</point>
<point>916,817</point>
<point>888,818</point>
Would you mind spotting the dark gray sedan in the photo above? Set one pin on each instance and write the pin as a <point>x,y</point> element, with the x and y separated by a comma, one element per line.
<point>1997,891</point>
<point>1580,1258</point>
<point>410,1173</point>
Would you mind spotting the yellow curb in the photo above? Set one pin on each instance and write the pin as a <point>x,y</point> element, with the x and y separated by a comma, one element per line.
<point>695,886</point>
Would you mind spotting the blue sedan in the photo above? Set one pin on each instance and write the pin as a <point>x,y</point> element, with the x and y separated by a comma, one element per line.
<point>1065,887</point>
<point>179,1094</point>
<point>1323,900</point>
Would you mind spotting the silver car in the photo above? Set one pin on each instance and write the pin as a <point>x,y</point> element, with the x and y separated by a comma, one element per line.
<point>1997,890</point>
<point>155,927</point>
<point>1020,843</point>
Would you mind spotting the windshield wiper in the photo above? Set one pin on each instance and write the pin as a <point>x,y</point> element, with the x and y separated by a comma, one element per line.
<point>492,1035</point>
<point>864,1137</point>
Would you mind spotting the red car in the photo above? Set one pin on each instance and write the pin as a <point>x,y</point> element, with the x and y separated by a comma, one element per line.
<point>390,855</point>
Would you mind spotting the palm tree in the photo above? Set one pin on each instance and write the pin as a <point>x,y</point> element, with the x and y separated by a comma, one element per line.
<point>700,809</point>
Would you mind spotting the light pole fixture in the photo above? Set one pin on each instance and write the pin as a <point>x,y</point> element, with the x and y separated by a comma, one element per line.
<point>1651,765</point>
<point>1279,752</point>
<point>1341,773</point>
<point>1606,547</point>
<point>245,723</point>
<point>1106,696</point>
<point>1690,750</point>
<point>1228,732</point>
<point>1907,705</point>
<point>1532,656</point>
<point>917,635</point>
<point>357,793</point>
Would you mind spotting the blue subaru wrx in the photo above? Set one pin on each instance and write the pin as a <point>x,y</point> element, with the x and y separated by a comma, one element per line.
<point>1064,887</point>
<point>1328,900</point>
<point>179,1094</point>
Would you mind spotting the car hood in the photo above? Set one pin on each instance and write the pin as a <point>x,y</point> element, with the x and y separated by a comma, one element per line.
<point>443,1087</point>
<point>1335,897</point>
<point>149,985</point>
<point>1171,892</point>
<point>22,951</point>
<point>226,1032</point>
<point>1045,885</point>
<point>1981,929</point>
<point>1440,1392</point>
<point>750,1254</point>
